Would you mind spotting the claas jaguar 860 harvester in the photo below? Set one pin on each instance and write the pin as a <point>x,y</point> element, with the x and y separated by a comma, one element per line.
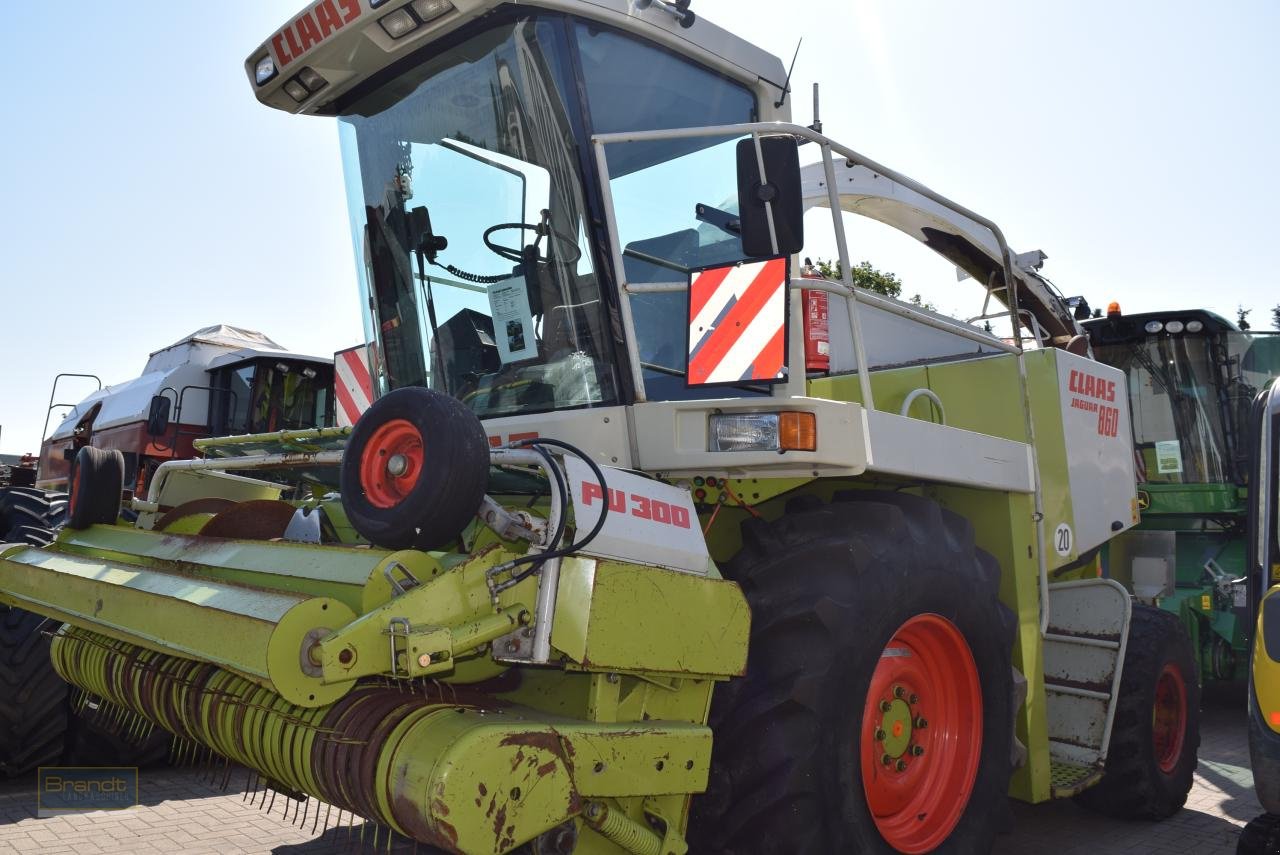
<point>649,543</point>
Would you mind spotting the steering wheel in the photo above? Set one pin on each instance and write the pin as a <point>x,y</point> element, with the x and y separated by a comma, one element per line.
<point>517,255</point>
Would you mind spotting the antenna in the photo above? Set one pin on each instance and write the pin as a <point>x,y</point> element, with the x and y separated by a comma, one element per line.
<point>786,87</point>
<point>817,122</point>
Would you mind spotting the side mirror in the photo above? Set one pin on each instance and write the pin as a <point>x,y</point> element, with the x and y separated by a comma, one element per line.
<point>158,416</point>
<point>779,188</point>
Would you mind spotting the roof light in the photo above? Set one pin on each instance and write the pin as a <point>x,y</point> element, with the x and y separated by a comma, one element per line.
<point>263,70</point>
<point>1194,326</point>
<point>1174,327</point>
<point>311,79</point>
<point>795,431</point>
<point>296,90</point>
<point>1153,327</point>
<point>429,10</point>
<point>1113,309</point>
<point>398,24</point>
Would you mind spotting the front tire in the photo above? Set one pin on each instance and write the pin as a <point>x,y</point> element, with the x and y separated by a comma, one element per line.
<point>867,615</point>
<point>1156,733</point>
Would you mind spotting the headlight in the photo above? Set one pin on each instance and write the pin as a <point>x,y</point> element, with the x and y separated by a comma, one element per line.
<point>763,432</point>
<point>1173,327</point>
<point>1194,326</point>
<point>1153,327</point>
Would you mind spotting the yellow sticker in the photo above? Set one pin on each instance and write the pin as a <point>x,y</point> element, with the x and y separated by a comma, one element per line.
<point>1206,602</point>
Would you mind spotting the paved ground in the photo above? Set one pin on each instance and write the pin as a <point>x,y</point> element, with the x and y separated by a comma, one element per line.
<point>183,811</point>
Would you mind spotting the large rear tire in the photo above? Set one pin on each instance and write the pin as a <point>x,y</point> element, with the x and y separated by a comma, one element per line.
<point>867,615</point>
<point>1156,733</point>
<point>34,707</point>
<point>28,507</point>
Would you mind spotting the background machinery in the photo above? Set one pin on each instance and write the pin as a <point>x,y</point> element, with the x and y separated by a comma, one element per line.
<point>609,565</point>
<point>1192,378</point>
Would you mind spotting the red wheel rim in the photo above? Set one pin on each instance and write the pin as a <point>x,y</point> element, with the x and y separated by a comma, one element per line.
<point>391,463</point>
<point>921,736</point>
<point>1169,717</point>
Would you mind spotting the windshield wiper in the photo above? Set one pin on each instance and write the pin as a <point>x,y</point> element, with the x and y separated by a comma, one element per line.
<point>723,220</point>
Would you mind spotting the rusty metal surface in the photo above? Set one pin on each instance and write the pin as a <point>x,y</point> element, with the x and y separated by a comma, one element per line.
<point>261,519</point>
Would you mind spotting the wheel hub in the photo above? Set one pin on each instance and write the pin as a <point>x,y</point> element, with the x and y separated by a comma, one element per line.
<point>895,728</point>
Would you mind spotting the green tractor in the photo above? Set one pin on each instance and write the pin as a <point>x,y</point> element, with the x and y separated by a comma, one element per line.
<point>648,544</point>
<point>1192,378</point>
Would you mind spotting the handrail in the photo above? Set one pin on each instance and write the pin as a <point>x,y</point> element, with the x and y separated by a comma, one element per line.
<point>828,146</point>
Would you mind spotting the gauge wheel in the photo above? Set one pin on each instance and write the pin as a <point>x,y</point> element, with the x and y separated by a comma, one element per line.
<point>97,477</point>
<point>415,470</point>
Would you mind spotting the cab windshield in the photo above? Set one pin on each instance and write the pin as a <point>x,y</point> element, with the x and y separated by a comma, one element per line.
<point>1189,397</point>
<point>467,209</point>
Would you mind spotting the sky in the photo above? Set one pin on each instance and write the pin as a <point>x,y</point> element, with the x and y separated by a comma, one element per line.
<point>146,193</point>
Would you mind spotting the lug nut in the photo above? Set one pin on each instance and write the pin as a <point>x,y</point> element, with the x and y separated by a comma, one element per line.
<point>880,735</point>
<point>917,750</point>
<point>913,700</point>
<point>901,766</point>
<point>899,692</point>
<point>884,706</point>
<point>922,722</point>
<point>886,759</point>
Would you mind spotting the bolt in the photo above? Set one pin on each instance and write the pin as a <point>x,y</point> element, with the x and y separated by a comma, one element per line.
<point>922,722</point>
<point>899,692</point>
<point>913,700</point>
<point>880,735</point>
<point>884,706</point>
<point>901,766</point>
<point>886,759</point>
<point>513,646</point>
<point>598,768</point>
<point>594,810</point>
<point>397,465</point>
<point>917,750</point>
<point>424,660</point>
<point>524,617</point>
<point>612,678</point>
<point>346,656</point>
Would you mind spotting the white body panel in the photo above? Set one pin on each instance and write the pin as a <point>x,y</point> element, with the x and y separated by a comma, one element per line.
<point>1099,445</point>
<point>648,522</point>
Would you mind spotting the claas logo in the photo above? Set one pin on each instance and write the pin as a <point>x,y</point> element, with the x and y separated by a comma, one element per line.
<point>312,27</point>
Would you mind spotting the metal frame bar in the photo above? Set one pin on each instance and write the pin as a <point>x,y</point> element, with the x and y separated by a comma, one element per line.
<point>830,147</point>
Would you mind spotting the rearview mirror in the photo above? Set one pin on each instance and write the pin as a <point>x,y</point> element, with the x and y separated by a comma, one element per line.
<point>780,189</point>
<point>158,416</point>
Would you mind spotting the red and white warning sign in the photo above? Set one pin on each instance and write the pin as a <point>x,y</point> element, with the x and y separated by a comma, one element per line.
<point>738,323</point>
<point>352,383</point>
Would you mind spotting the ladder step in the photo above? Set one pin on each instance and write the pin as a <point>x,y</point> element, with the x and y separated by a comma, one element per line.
<point>1087,641</point>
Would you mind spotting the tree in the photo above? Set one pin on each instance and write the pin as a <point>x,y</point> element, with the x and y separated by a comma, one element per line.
<point>1275,317</point>
<point>864,276</point>
<point>1242,317</point>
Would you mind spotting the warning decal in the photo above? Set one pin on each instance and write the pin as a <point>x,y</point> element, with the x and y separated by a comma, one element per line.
<point>738,322</point>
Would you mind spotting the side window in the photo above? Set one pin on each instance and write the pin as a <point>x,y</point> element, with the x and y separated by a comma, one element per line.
<point>675,201</point>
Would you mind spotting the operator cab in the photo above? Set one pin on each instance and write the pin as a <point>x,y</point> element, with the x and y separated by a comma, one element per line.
<point>265,394</point>
<point>1192,377</point>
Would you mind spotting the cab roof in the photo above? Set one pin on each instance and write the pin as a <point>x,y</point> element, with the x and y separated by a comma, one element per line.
<point>345,44</point>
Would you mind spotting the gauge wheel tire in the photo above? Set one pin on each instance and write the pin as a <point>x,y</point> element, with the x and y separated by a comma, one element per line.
<point>29,507</point>
<point>1156,732</point>
<point>1261,836</point>
<point>33,699</point>
<point>97,477</point>
<point>851,601</point>
<point>415,470</point>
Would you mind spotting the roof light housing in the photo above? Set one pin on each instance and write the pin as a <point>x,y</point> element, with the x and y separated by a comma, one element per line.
<point>1174,327</point>
<point>264,70</point>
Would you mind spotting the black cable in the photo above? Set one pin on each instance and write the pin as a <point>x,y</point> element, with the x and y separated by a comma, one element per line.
<point>563,492</point>
<point>538,560</point>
